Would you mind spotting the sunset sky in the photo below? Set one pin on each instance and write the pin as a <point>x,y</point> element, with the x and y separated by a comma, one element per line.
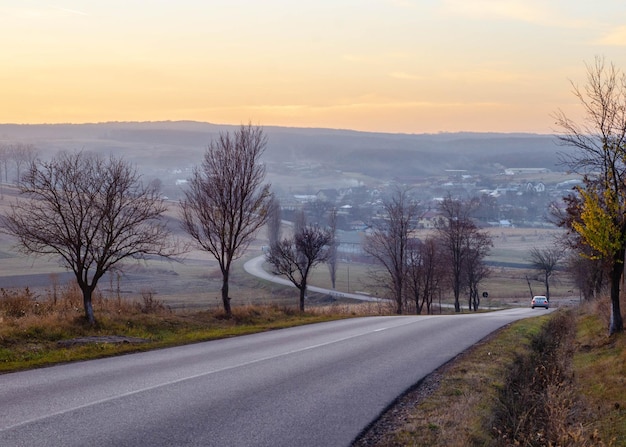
<point>410,66</point>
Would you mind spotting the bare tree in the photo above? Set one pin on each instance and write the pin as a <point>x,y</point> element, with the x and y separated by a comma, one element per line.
<point>5,155</point>
<point>226,201</point>
<point>90,211</point>
<point>425,273</point>
<point>317,210</point>
<point>545,261</point>
<point>461,241</point>
<point>478,245</point>
<point>22,154</point>
<point>333,246</point>
<point>388,242</point>
<point>588,274</point>
<point>299,221</point>
<point>295,257</point>
<point>274,220</point>
<point>601,158</point>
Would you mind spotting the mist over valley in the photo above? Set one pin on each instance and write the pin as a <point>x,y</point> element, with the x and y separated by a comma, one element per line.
<point>300,159</point>
<point>516,176</point>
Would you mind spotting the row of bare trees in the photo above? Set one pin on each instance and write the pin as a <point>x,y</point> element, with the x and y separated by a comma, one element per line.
<point>388,244</point>
<point>92,213</point>
<point>416,271</point>
<point>16,155</point>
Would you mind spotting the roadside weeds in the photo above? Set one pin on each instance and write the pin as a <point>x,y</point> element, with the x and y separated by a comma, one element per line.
<point>523,385</point>
<point>43,331</point>
<point>553,380</point>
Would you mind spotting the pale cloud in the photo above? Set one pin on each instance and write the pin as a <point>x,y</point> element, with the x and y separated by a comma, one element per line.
<point>71,11</point>
<point>496,9</point>
<point>529,11</point>
<point>377,58</point>
<point>405,4</point>
<point>358,58</point>
<point>615,37</point>
<point>364,104</point>
<point>406,76</point>
<point>484,76</point>
<point>37,11</point>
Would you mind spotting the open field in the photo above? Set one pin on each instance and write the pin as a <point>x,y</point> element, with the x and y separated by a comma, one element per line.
<point>194,281</point>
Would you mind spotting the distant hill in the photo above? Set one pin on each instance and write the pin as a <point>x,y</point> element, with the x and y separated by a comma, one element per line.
<point>157,145</point>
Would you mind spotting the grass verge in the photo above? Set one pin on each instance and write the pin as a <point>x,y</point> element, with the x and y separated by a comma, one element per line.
<point>555,380</point>
<point>35,333</point>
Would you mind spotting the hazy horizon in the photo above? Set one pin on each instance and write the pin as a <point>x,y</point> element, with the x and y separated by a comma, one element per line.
<point>274,126</point>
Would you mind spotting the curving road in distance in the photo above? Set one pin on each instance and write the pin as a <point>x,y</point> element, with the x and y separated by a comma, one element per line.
<point>314,385</point>
<point>255,267</point>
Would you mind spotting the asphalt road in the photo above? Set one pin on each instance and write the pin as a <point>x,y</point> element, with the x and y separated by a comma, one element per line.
<point>315,385</point>
<point>255,267</point>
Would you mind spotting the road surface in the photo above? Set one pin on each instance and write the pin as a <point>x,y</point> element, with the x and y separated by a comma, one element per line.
<point>255,267</point>
<point>314,385</point>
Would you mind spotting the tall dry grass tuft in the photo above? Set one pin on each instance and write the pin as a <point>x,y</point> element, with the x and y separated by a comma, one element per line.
<point>362,309</point>
<point>35,330</point>
<point>539,403</point>
<point>149,304</point>
<point>63,305</point>
<point>14,305</point>
<point>601,306</point>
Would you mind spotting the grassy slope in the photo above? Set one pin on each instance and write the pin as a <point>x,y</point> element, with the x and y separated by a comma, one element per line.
<point>481,399</point>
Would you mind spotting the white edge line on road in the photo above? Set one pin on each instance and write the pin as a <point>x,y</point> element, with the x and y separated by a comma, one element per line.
<point>173,382</point>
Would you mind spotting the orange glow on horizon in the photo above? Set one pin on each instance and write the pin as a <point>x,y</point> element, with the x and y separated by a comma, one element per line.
<point>387,66</point>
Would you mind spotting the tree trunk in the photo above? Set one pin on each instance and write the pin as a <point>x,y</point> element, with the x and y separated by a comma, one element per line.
<point>225,297</point>
<point>419,307</point>
<point>302,296</point>
<point>473,300</point>
<point>398,295</point>
<point>547,288</point>
<point>87,292</point>
<point>616,324</point>
<point>399,304</point>
<point>457,304</point>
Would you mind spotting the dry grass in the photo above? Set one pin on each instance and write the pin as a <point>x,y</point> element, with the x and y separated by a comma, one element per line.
<point>538,400</point>
<point>456,408</point>
<point>600,364</point>
<point>491,395</point>
<point>34,330</point>
<point>459,413</point>
<point>195,282</point>
<point>555,380</point>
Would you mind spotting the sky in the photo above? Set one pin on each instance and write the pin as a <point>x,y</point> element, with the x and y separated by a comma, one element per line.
<point>400,66</point>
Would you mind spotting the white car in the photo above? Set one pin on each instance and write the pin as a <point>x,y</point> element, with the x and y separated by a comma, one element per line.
<point>540,301</point>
